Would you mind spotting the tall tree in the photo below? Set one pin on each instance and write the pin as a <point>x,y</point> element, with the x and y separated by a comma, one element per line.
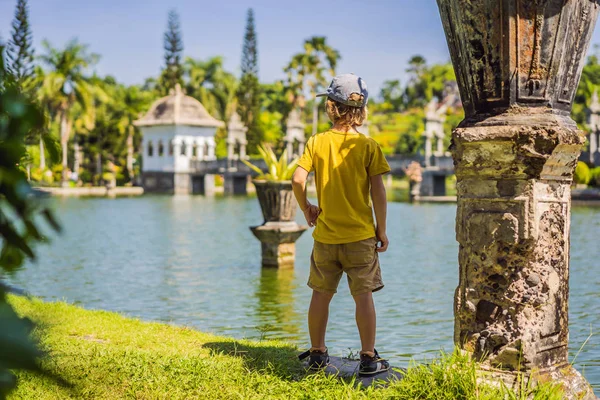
<point>311,69</point>
<point>209,83</point>
<point>392,95</point>
<point>173,45</point>
<point>64,85</point>
<point>20,46</point>
<point>248,93</point>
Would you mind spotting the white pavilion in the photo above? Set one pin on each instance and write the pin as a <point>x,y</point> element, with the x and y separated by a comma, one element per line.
<point>177,132</point>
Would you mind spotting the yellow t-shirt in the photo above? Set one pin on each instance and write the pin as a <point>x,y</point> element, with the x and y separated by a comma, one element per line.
<point>343,163</point>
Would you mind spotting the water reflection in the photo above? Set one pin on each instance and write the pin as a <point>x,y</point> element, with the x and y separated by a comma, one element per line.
<point>277,310</point>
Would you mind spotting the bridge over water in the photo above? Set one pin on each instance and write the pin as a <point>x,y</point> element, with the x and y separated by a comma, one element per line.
<point>236,173</point>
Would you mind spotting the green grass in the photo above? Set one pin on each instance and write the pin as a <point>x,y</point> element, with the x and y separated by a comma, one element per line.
<point>103,355</point>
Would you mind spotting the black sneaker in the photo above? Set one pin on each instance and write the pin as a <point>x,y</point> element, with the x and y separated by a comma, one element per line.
<point>318,359</point>
<point>372,365</point>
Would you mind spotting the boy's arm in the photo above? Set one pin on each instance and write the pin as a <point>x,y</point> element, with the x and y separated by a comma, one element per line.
<point>311,213</point>
<point>380,206</point>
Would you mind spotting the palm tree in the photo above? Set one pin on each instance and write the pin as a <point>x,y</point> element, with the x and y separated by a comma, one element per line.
<point>209,83</point>
<point>64,85</point>
<point>310,69</point>
<point>130,102</point>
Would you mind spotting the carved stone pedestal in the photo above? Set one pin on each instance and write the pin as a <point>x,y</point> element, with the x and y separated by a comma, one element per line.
<point>278,242</point>
<point>279,232</point>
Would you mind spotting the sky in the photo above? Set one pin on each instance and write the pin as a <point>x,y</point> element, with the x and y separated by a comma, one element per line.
<point>376,38</point>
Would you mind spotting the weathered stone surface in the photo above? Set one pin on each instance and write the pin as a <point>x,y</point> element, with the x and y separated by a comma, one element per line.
<point>518,63</point>
<point>348,368</point>
<point>277,200</point>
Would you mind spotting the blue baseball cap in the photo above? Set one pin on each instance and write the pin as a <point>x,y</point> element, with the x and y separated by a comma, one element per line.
<point>342,86</point>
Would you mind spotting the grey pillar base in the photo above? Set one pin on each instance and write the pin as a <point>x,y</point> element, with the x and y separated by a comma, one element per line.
<point>209,185</point>
<point>414,191</point>
<point>574,385</point>
<point>278,242</point>
<point>235,184</point>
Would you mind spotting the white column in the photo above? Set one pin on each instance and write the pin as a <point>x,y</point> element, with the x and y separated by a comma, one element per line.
<point>211,149</point>
<point>230,149</point>
<point>201,154</point>
<point>290,148</point>
<point>428,150</point>
<point>189,143</point>
<point>176,154</point>
<point>593,142</point>
<point>300,148</point>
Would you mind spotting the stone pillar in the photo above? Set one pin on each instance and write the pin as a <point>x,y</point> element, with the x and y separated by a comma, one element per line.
<point>294,133</point>
<point>440,146</point>
<point>518,64</point>
<point>593,145</point>
<point>230,154</point>
<point>243,155</point>
<point>301,145</point>
<point>428,149</point>
<point>594,125</point>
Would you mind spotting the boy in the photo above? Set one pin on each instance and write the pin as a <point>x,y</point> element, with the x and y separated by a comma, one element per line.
<point>347,166</point>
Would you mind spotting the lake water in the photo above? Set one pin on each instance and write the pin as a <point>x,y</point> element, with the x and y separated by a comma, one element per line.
<point>193,261</point>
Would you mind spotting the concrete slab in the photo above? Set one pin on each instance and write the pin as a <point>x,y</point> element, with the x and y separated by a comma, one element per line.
<point>348,368</point>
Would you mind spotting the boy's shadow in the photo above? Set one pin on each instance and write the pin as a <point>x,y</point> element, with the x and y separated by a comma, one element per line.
<point>281,361</point>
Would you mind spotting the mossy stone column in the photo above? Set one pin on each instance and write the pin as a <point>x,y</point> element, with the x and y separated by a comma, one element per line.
<point>518,64</point>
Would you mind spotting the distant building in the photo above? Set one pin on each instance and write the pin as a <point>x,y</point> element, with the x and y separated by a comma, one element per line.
<point>593,156</point>
<point>177,131</point>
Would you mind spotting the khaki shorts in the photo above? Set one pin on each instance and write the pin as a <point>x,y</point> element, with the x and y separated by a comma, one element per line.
<point>359,260</point>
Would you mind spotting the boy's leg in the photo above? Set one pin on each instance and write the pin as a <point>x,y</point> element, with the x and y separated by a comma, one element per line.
<point>318,314</point>
<point>325,274</point>
<point>361,264</point>
<point>366,321</point>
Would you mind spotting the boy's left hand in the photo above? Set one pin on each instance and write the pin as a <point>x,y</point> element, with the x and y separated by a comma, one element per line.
<point>311,213</point>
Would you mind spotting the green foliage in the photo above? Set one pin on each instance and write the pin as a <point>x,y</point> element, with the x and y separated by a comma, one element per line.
<point>595,177</point>
<point>426,81</point>
<point>209,83</point>
<point>392,96</point>
<point>270,125</point>
<point>276,98</point>
<point>67,93</point>
<point>19,225</point>
<point>311,70</point>
<point>172,74</point>
<point>582,173</point>
<point>279,169</point>
<point>19,50</point>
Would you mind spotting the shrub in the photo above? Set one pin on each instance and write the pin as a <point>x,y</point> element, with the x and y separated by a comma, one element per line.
<point>279,169</point>
<point>582,173</point>
<point>595,177</point>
